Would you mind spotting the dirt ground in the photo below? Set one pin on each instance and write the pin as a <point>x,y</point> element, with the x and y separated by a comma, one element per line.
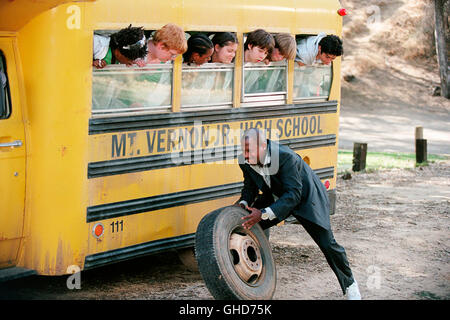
<point>394,224</point>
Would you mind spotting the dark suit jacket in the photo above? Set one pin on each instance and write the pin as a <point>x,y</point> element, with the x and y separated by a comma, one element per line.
<point>298,188</point>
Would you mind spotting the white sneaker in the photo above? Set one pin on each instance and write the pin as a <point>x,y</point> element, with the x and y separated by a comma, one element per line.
<point>353,292</point>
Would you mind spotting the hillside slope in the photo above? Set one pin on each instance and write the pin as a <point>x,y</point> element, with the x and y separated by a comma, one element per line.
<point>390,52</point>
<point>389,71</point>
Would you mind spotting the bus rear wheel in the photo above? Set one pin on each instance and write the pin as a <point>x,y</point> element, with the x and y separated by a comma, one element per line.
<point>235,263</point>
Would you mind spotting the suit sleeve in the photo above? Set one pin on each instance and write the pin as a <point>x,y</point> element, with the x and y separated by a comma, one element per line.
<point>250,189</point>
<point>291,179</point>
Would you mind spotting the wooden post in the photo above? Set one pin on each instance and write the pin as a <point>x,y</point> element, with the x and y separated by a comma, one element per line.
<point>421,150</point>
<point>441,46</point>
<point>421,146</point>
<point>419,133</point>
<point>359,156</point>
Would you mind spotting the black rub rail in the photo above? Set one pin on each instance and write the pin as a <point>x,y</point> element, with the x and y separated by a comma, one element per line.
<point>135,206</point>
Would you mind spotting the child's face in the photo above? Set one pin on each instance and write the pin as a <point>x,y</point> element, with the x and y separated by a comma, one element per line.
<point>122,59</point>
<point>276,55</point>
<point>325,57</point>
<point>164,53</point>
<point>255,54</point>
<point>201,59</point>
<point>225,54</point>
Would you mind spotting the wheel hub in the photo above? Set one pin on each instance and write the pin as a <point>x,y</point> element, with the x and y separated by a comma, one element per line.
<point>246,257</point>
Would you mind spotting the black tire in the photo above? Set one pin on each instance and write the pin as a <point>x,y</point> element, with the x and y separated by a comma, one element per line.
<point>249,274</point>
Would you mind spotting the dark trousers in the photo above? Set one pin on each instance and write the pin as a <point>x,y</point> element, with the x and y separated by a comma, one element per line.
<point>334,253</point>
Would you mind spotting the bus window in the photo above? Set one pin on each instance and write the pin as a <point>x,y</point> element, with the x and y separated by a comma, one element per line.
<point>264,83</point>
<point>5,105</point>
<point>118,88</point>
<point>205,85</point>
<point>312,81</point>
<point>208,85</point>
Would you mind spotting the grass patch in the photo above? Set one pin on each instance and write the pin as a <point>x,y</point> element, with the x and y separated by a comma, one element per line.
<point>384,160</point>
<point>427,295</point>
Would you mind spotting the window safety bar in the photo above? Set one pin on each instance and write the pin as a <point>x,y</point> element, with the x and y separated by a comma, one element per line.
<point>17,143</point>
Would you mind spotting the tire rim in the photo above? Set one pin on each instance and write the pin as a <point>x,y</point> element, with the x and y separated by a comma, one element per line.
<point>246,257</point>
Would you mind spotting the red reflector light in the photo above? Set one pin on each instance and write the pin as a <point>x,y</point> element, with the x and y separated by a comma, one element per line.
<point>98,230</point>
<point>327,184</point>
<point>342,12</point>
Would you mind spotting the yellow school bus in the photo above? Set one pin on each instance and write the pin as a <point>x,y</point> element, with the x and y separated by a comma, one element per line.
<point>87,179</point>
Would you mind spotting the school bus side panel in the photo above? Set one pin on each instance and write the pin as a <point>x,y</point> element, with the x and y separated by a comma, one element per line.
<point>56,53</point>
<point>116,190</point>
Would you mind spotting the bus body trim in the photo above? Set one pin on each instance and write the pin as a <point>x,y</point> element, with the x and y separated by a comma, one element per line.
<point>139,250</point>
<point>164,120</point>
<point>176,199</point>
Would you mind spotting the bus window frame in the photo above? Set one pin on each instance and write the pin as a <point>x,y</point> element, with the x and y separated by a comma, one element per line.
<point>312,98</point>
<point>207,67</point>
<point>223,67</point>
<point>167,67</point>
<point>299,37</point>
<point>265,98</point>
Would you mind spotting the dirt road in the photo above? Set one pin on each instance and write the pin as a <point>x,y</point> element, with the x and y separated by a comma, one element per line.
<point>398,244</point>
<point>387,123</point>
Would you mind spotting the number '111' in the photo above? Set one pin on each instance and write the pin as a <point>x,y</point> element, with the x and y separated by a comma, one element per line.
<point>115,226</point>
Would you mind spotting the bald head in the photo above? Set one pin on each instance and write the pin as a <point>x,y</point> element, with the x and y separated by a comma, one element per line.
<point>254,135</point>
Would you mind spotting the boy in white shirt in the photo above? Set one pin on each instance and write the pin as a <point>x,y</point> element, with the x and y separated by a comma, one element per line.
<point>318,49</point>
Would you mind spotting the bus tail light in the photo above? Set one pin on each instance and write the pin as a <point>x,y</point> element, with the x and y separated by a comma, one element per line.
<point>327,184</point>
<point>342,12</point>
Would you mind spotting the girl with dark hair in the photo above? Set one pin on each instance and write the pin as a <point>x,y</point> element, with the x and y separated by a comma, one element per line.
<point>200,49</point>
<point>225,46</point>
<point>125,46</point>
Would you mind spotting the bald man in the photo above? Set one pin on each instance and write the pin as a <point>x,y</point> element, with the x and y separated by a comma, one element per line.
<point>290,187</point>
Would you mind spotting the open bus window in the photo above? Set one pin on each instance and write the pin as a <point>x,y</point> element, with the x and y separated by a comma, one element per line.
<point>5,105</point>
<point>118,88</point>
<point>205,85</point>
<point>264,84</point>
<point>312,81</point>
